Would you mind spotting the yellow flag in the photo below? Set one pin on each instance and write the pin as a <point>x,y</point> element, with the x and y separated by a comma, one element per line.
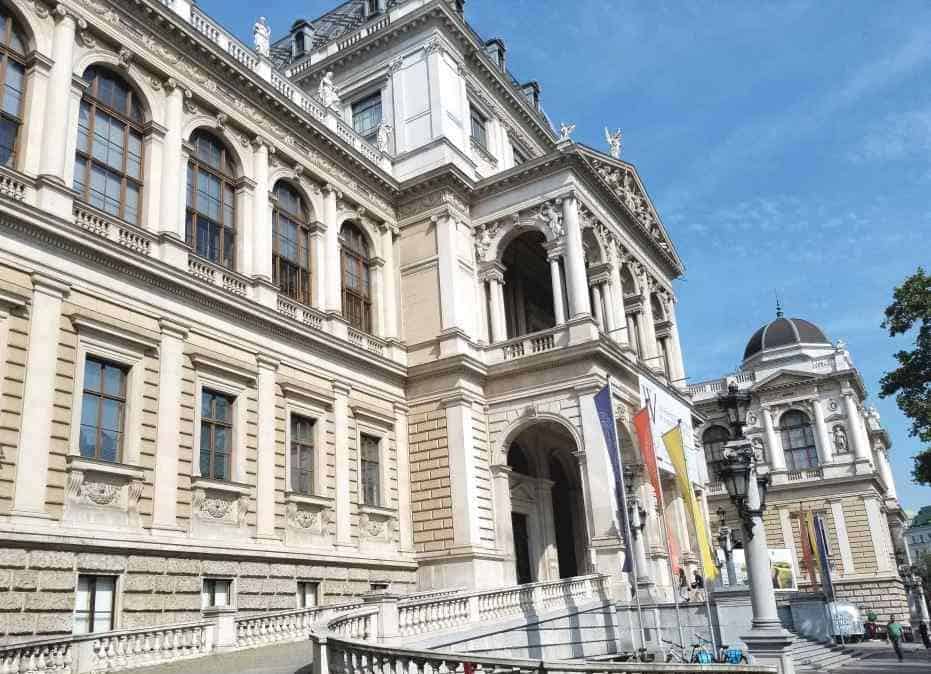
<point>673,441</point>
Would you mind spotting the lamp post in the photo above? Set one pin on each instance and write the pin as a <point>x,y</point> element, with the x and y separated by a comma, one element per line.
<point>727,547</point>
<point>768,642</point>
<point>637,515</point>
<point>911,577</point>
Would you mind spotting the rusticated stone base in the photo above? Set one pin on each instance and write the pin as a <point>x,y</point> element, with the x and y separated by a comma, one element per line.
<point>882,596</point>
<point>37,587</point>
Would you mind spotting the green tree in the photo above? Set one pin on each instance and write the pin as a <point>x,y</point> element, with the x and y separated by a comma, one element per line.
<point>910,382</point>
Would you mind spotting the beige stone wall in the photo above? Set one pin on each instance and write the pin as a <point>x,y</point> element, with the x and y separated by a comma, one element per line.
<point>884,597</point>
<point>37,587</point>
<point>12,378</point>
<point>431,499</point>
<point>858,532</point>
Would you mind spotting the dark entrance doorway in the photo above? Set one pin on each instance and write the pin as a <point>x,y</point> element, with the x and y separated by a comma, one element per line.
<point>562,520</point>
<point>521,548</point>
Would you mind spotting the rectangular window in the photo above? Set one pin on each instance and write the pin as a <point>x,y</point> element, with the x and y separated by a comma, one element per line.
<point>103,408</point>
<point>479,127</point>
<point>366,116</point>
<point>302,454</point>
<point>370,466</point>
<point>306,594</point>
<point>93,604</point>
<point>378,587</point>
<point>216,434</point>
<point>216,592</point>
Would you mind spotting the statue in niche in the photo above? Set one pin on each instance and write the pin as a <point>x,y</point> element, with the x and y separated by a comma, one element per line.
<point>565,131</point>
<point>840,440</point>
<point>614,142</point>
<point>261,37</point>
<point>327,92</point>
<point>758,452</point>
<point>553,219</point>
<point>383,139</point>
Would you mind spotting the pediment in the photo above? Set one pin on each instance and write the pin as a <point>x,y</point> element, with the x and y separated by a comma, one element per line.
<point>784,378</point>
<point>522,490</point>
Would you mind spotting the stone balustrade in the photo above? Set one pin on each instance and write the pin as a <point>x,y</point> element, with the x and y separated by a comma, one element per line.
<point>119,232</point>
<point>528,345</point>
<point>353,638</point>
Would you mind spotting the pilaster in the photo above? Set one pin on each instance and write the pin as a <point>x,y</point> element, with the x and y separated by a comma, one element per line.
<point>462,473</point>
<point>266,450</point>
<point>32,456</point>
<point>341,448</point>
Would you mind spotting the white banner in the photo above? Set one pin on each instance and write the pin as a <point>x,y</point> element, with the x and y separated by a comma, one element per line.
<point>665,412</point>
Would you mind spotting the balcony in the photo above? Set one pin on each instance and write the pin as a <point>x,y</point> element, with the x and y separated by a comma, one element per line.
<point>528,345</point>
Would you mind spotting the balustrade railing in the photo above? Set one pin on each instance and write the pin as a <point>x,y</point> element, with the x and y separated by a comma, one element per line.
<point>231,281</point>
<point>112,229</point>
<point>358,624</point>
<point>528,345</point>
<point>283,626</point>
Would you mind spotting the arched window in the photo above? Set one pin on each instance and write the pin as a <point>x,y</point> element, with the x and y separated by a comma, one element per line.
<point>108,161</point>
<point>357,294</point>
<point>798,441</point>
<point>13,77</point>
<point>518,462</point>
<point>291,251</point>
<point>713,440</point>
<point>211,200</point>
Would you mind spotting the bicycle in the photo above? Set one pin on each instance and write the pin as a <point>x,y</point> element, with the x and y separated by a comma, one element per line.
<point>703,654</point>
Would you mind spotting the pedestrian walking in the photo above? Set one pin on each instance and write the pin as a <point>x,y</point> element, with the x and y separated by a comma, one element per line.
<point>698,586</point>
<point>894,631</point>
<point>925,637</point>
<point>683,585</point>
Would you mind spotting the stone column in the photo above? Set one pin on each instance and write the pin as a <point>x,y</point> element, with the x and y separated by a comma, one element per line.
<point>172,197</point>
<point>575,259</point>
<point>648,326</point>
<point>559,307</point>
<point>267,447</point>
<point>448,266</point>
<point>168,420</point>
<point>341,448</point>
<point>607,294</point>
<point>676,362</point>
<point>644,579</point>
<point>55,164</point>
<point>885,472</point>
<point>262,235</point>
<point>318,242</point>
<point>504,533</point>
<point>462,478</point>
<point>331,266</point>
<point>861,450</point>
<point>821,431</point>
<point>35,436</point>
<point>377,279</point>
<point>598,307</point>
<point>777,458</point>
<point>621,335</point>
<point>389,295</point>
<point>495,278</point>
<point>402,449</point>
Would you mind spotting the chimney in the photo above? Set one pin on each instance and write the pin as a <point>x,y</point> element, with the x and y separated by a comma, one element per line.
<point>532,92</point>
<point>497,51</point>
<point>302,39</point>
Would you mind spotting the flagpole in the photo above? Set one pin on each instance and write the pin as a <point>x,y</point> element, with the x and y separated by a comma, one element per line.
<point>673,580</point>
<point>625,517</point>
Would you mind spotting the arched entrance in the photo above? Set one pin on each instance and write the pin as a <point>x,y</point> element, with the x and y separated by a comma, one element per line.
<point>528,286</point>
<point>547,517</point>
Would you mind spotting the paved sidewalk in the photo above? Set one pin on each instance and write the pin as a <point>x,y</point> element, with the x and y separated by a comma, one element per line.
<point>293,658</point>
<point>879,658</point>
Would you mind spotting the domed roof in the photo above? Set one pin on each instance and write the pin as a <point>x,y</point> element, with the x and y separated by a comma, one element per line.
<point>784,332</point>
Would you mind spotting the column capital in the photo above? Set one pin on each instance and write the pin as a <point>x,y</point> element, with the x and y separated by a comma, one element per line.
<point>492,271</point>
<point>266,362</point>
<point>459,398</point>
<point>331,191</point>
<point>62,13</point>
<point>50,285</point>
<point>341,388</point>
<point>172,328</point>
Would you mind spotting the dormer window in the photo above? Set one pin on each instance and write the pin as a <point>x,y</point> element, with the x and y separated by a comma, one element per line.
<point>479,127</point>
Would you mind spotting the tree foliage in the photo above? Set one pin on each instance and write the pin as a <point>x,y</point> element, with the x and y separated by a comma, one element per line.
<point>910,382</point>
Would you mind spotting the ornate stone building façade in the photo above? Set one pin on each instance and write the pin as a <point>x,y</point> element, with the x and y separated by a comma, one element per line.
<point>825,453</point>
<point>280,325</point>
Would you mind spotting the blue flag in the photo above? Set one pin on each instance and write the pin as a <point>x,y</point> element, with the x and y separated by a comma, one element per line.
<point>603,405</point>
<point>821,538</point>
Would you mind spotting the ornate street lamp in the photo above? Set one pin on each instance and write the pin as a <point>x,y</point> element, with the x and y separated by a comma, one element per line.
<point>911,578</point>
<point>768,642</point>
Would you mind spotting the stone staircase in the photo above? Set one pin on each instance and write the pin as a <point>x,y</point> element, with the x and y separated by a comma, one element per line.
<point>816,656</point>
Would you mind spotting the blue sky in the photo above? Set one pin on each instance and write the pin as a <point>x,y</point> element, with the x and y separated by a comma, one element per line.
<point>786,146</point>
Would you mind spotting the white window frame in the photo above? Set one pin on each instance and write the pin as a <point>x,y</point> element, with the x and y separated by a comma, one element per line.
<point>117,607</point>
<point>378,425</point>
<point>301,597</point>
<point>232,381</point>
<point>231,596</point>
<point>318,415</point>
<point>120,347</point>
